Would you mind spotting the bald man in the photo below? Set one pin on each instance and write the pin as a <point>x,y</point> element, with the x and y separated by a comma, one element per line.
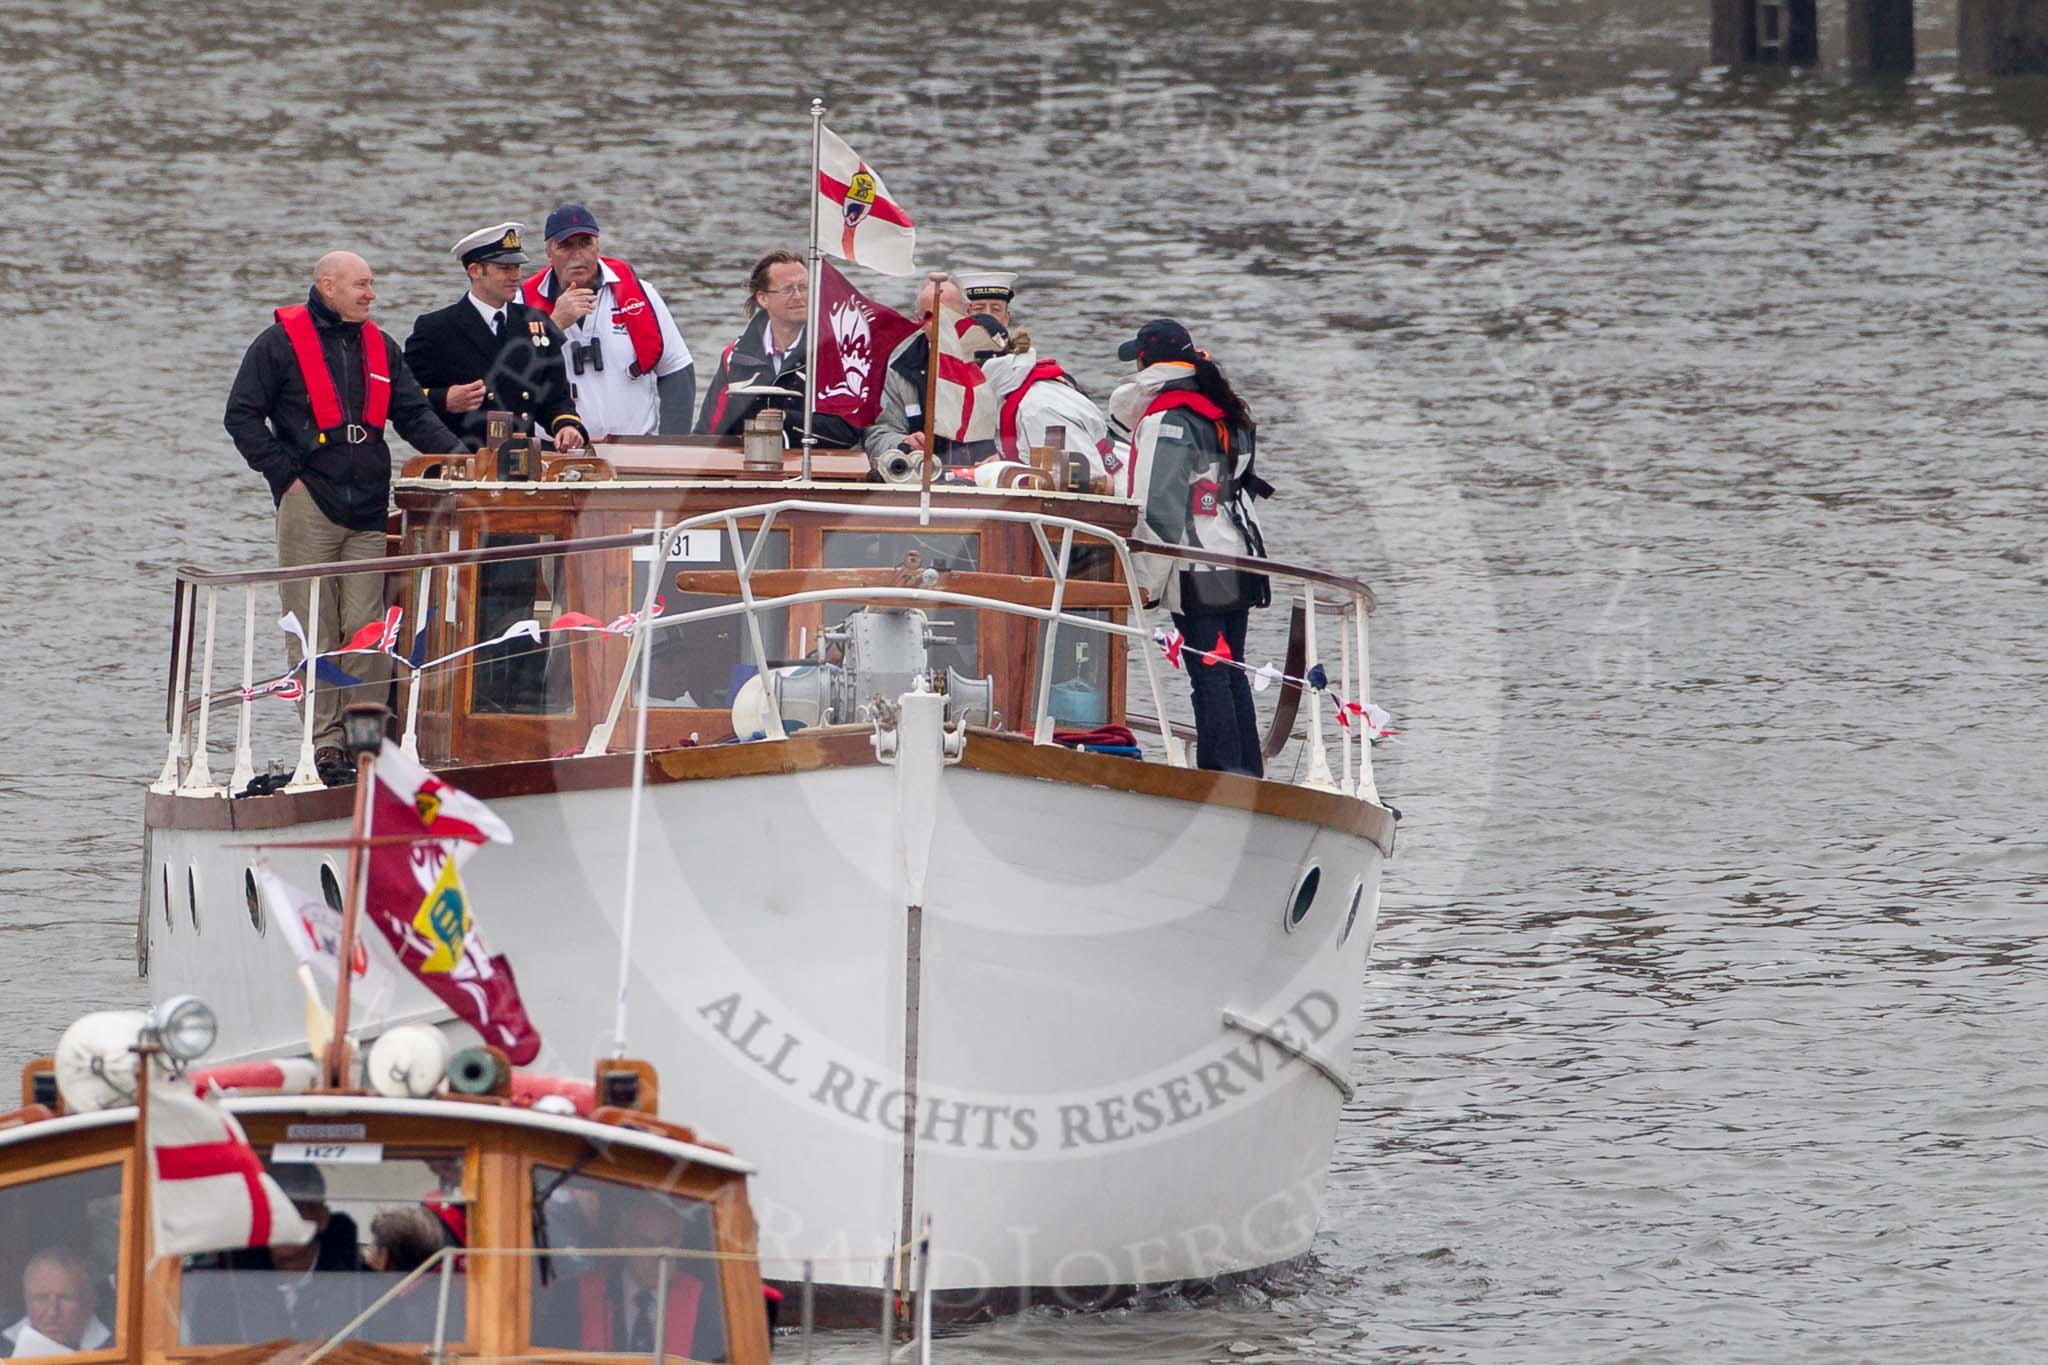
<point>901,424</point>
<point>308,411</point>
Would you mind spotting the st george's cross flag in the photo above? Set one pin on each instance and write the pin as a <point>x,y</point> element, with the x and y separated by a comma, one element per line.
<point>207,1188</point>
<point>965,408</point>
<point>857,220</point>
<point>417,899</point>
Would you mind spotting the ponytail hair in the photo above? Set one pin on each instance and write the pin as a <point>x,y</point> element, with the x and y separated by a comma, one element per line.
<point>1214,387</point>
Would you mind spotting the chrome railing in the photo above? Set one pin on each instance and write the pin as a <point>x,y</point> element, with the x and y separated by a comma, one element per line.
<point>905,1275</point>
<point>187,771</point>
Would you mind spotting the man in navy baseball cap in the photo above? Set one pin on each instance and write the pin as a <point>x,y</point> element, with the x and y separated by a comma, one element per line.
<point>567,220</point>
<point>629,366</point>
<point>1159,339</point>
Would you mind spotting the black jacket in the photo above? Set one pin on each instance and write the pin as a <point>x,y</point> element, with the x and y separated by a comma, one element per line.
<point>523,371</point>
<point>271,420</point>
<point>747,361</point>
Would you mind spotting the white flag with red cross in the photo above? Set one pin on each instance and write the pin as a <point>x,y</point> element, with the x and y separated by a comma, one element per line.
<point>965,407</point>
<point>207,1188</point>
<point>857,220</point>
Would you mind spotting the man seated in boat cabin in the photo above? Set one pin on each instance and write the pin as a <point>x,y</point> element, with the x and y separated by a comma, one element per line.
<point>268,1293</point>
<point>57,1289</point>
<point>614,1301</point>
<point>770,352</point>
<point>307,411</point>
<point>901,425</point>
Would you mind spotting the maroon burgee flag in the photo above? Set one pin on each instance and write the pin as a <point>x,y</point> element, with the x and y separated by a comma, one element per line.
<point>856,337</point>
<point>416,897</point>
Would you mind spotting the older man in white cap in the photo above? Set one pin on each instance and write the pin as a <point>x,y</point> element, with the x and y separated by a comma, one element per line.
<point>489,350</point>
<point>989,292</point>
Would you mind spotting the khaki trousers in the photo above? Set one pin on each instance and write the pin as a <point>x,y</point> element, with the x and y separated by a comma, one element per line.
<point>305,536</point>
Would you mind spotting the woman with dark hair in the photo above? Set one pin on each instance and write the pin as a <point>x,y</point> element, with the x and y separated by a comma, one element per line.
<point>1184,439</point>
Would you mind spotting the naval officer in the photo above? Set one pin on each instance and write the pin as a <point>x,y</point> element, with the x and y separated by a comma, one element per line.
<point>488,350</point>
<point>989,292</point>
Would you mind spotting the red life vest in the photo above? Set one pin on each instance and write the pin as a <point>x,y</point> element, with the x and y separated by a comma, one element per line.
<point>725,369</point>
<point>1166,401</point>
<point>304,336</point>
<point>629,305</point>
<point>1006,420</point>
<point>600,1315</point>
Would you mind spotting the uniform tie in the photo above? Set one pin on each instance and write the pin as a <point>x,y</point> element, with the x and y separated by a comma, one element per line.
<point>640,1336</point>
<point>498,330</point>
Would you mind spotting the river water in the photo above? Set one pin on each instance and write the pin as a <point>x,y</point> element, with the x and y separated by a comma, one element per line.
<point>1687,423</point>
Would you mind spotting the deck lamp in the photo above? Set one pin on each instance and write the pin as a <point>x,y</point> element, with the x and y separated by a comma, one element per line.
<point>185,1027</point>
<point>362,727</point>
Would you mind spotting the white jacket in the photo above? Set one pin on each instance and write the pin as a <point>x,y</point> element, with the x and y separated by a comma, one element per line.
<point>1048,404</point>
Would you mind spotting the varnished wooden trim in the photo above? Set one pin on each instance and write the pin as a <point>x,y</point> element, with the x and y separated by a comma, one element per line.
<point>842,746</point>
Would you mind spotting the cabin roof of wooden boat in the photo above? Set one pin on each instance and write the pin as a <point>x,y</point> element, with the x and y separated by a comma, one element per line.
<point>452,1111</point>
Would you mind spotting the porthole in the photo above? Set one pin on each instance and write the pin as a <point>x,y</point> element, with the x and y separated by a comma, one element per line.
<point>1304,896</point>
<point>255,900</point>
<point>1351,915</point>
<point>168,922</point>
<point>192,894</point>
<point>330,887</point>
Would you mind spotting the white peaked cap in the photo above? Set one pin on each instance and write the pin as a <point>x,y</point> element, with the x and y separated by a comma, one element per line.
<point>987,283</point>
<point>504,236</point>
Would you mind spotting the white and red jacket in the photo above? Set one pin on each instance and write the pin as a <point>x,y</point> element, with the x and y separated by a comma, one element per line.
<point>1035,394</point>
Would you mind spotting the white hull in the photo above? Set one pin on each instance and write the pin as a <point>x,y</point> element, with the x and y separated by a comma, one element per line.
<point>1087,1116</point>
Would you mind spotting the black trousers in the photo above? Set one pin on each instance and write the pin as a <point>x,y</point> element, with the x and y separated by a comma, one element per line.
<point>1226,725</point>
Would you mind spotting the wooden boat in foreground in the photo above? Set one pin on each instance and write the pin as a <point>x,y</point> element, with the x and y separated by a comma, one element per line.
<point>897,924</point>
<point>551,1208</point>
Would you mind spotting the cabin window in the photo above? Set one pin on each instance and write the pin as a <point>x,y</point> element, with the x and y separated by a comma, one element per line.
<point>946,551</point>
<point>381,1211</point>
<point>608,1303</point>
<point>60,1260</point>
<point>704,663</point>
<point>1080,674</point>
<point>522,676</point>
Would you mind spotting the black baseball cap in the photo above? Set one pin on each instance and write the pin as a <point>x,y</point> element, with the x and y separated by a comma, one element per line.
<point>997,333</point>
<point>1159,339</point>
<point>567,220</point>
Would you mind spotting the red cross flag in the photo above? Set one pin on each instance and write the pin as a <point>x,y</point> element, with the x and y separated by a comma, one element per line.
<point>207,1188</point>
<point>857,220</point>
<point>965,408</point>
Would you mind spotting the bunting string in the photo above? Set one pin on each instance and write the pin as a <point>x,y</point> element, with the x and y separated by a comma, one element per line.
<point>1376,723</point>
<point>381,637</point>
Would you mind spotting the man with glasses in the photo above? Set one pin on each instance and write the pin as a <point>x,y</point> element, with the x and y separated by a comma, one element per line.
<point>769,353</point>
<point>629,368</point>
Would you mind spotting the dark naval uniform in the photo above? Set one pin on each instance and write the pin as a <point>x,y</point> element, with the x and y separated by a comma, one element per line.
<point>521,365</point>
<point>521,368</point>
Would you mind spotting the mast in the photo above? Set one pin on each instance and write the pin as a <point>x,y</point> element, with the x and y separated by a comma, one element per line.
<point>811,306</point>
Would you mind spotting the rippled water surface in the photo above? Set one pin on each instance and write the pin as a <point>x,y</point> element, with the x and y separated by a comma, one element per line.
<point>1689,425</point>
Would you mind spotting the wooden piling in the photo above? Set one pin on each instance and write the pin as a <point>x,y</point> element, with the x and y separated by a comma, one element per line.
<point>1881,37</point>
<point>1764,32</point>
<point>2002,37</point>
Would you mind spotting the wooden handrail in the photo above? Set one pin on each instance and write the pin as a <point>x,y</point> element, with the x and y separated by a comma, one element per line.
<point>402,563</point>
<point>1019,588</point>
<point>1351,586</point>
